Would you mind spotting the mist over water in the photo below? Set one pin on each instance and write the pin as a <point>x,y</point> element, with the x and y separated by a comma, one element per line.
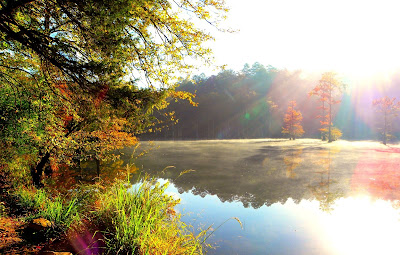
<point>293,197</point>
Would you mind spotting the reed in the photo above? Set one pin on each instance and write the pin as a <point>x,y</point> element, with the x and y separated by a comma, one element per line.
<point>141,219</point>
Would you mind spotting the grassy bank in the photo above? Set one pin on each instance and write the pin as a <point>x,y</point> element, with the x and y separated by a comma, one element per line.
<point>116,219</point>
<point>142,219</point>
<point>62,211</point>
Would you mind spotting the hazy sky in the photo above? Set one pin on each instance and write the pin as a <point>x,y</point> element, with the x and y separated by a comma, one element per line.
<point>352,37</point>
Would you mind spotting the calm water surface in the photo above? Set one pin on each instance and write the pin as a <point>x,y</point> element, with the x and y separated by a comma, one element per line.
<point>293,197</point>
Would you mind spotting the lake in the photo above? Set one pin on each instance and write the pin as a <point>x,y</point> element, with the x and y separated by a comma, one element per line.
<point>292,197</point>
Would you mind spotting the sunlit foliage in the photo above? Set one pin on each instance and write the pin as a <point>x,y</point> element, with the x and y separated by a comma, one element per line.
<point>292,122</point>
<point>80,79</point>
<point>388,108</point>
<point>328,90</point>
<point>336,133</point>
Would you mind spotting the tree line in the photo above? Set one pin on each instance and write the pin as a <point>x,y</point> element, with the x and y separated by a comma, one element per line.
<point>262,101</point>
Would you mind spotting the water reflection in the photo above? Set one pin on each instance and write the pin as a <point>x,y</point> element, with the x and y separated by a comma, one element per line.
<point>256,174</point>
<point>355,225</point>
<point>87,173</point>
<point>378,174</point>
<point>321,186</point>
<point>293,160</point>
<point>302,197</point>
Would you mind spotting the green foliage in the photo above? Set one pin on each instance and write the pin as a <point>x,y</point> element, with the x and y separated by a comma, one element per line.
<point>80,78</point>
<point>63,212</point>
<point>97,42</point>
<point>143,218</point>
<point>229,105</point>
<point>139,218</point>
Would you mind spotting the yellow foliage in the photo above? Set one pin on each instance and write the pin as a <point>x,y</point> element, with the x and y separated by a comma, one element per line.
<point>292,161</point>
<point>336,133</point>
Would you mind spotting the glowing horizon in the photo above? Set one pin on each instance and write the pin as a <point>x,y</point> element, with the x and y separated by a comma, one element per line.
<point>357,39</point>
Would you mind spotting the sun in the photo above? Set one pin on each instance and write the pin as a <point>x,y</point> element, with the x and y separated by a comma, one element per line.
<point>357,38</point>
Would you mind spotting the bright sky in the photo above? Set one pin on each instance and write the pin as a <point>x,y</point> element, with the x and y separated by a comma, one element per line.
<point>352,37</point>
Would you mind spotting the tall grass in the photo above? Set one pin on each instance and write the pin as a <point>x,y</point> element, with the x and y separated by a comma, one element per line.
<point>60,210</point>
<point>142,220</point>
<point>137,219</point>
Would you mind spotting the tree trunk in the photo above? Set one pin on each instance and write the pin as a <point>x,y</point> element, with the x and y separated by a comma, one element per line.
<point>98,167</point>
<point>37,171</point>
<point>322,117</point>
<point>330,114</point>
<point>385,131</point>
<point>48,171</point>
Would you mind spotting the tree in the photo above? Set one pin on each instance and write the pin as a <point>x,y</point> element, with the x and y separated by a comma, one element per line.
<point>328,89</point>
<point>389,109</point>
<point>97,42</point>
<point>292,122</point>
<point>80,79</point>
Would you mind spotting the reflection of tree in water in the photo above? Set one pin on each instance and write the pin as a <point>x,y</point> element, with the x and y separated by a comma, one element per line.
<point>87,173</point>
<point>199,192</point>
<point>321,186</point>
<point>292,161</point>
<point>263,178</point>
<point>256,175</point>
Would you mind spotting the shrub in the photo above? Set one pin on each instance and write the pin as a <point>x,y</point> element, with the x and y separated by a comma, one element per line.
<point>336,133</point>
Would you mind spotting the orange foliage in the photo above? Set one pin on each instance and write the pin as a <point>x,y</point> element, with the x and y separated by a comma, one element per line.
<point>292,122</point>
<point>101,95</point>
<point>386,105</point>
<point>63,89</point>
<point>327,89</point>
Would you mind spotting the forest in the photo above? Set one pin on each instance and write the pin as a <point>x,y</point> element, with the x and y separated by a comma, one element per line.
<point>252,102</point>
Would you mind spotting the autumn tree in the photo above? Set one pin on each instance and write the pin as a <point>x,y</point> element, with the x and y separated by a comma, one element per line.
<point>80,79</point>
<point>292,122</point>
<point>328,90</point>
<point>388,109</point>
